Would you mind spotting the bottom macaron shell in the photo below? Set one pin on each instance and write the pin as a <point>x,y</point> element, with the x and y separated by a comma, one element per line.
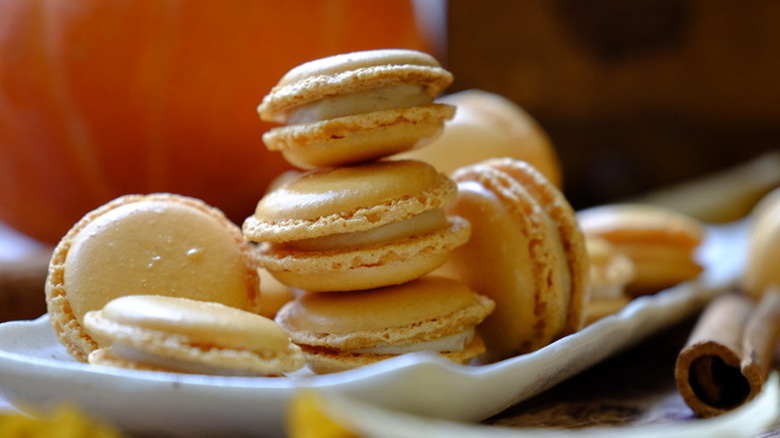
<point>386,264</point>
<point>325,361</point>
<point>358,138</point>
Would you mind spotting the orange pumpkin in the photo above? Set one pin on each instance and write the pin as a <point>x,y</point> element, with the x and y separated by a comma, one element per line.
<point>106,97</point>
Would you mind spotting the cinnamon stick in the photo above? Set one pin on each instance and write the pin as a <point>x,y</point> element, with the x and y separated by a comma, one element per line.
<point>729,353</point>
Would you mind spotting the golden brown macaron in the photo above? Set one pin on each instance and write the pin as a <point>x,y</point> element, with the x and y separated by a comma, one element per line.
<point>356,107</point>
<point>344,330</point>
<point>273,294</point>
<point>610,272</point>
<point>487,125</point>
<point>158,333</point>
<point>761,271</point>
<point>526,253</point>
<point>160,244</point>
<point>357,227</point>
<point>660,242</point>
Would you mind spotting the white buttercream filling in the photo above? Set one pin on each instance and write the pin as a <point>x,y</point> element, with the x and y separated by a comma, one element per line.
<point>423,223</point>
<point>456,342</point>
<point>398,96</point>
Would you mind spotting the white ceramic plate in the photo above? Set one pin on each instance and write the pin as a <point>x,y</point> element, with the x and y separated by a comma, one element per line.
<point>36,373</point>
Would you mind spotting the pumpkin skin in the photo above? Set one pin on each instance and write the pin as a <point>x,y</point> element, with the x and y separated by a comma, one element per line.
<point>102,98</point>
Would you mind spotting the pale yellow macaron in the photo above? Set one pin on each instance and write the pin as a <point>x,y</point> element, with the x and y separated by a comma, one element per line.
<point>763,251</point>
<point>488,125</point>
<point>526,253</point>
<point>610,272</point>
<point>158,333</point>
<point>159,244</point>
<point>357,227</point>
<point>660,242</point>
<point>339,331</point>
<point>356,107</point>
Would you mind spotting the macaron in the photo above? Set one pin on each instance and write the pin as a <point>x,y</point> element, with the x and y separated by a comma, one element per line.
<point>159,333</point>
<point>610,272</point>
<point>526,253</point>
<point>488,125</point>
<point>763,249</point>
<point>660,242</point>
<point>357,227</point>
<point>158,244</point>
<point>344,330</point>
<point>356,107</point>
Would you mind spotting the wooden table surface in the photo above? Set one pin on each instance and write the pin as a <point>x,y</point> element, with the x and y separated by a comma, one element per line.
<point>635,387</point>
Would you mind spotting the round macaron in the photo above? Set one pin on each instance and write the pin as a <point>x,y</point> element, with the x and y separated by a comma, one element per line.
<point>159,244</point>
<point>159,333</point>
<point>356,107</point>
<point>357,227</point>
<point>526,253</point>
<point>488,125</point>
<point>339,331</point>
<point>660,242</point>
<point>610,272</point>
<point>763,249</point>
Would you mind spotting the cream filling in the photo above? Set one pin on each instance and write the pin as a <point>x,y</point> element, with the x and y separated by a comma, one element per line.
<point>398,96</point>
<point>135,355</point>
<point>456,342</point>
<point>423,223</point>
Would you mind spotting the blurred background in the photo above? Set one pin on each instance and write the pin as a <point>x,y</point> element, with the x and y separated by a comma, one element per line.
<point>634,95</point>
<point>100,98</point>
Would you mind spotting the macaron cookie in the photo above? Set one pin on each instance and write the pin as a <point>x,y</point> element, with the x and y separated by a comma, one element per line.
<point>158,244</point>
<point>344,330</point>
<point>526,253</point>
<point>763,249</point>
<point>610,272</point>
<point>159,333</point>
<point>659,241</point>
<point>356,107</point>
<point>357,227</point>
<point>498,126</point>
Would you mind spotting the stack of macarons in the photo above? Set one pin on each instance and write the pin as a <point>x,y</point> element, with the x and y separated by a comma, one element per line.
<point>358,232</point>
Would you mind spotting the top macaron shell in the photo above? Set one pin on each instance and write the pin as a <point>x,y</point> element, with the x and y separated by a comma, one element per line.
<point>356,107</point>
<point>159,244</point>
